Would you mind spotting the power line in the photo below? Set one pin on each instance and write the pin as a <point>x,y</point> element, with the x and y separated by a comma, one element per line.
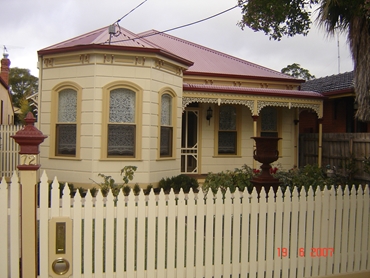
<point>179,27</point>
<point>130,11</point>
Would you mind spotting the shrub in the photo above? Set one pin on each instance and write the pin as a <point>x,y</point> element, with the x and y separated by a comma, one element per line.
<point>136,189</point>
<point>239,178</point>
<point>177,183</point>
<point>306,177</point>
<point>109,183</point>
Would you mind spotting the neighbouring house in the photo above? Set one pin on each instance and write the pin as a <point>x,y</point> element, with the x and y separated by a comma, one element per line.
<point>339,106</point>
<point>34,103</point>
<point>112,98</point>
<point>6,106</point>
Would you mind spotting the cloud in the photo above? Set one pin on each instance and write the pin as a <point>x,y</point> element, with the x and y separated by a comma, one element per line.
<point>32,25</point>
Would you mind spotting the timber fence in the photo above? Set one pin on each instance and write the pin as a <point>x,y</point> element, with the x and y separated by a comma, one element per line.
<point>345,151</point>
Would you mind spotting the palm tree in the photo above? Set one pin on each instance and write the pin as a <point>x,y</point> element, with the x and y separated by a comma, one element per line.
<point>353,18</point>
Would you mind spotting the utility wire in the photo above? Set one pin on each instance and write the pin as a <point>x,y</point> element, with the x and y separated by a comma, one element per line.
<point>179,27</point>
<point>130,11</point>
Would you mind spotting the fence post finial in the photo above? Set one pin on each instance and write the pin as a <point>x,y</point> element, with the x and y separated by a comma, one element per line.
<point>29,138</point>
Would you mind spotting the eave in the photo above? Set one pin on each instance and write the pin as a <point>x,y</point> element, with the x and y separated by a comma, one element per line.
<point>339,94</point>
<point>144,50</point>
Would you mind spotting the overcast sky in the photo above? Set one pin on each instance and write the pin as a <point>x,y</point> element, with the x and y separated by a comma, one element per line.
<point>28,26</point>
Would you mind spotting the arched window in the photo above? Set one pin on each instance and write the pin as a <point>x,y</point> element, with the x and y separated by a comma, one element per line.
<point>66,126</point>
<point>122,123</point>
<point>166,133</point>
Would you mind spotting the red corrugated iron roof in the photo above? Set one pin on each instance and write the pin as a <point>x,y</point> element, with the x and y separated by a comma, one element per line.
<point>202,60</point>
<point>251,91</point>
<point>209,61</point>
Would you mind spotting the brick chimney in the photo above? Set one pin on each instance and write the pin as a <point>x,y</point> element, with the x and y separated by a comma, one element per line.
<point>4,74</point>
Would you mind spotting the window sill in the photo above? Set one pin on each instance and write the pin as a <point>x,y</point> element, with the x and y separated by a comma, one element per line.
<point>165,158</point>
<point>227,156</point>
<point>65,158</point>
<point>120,159</point>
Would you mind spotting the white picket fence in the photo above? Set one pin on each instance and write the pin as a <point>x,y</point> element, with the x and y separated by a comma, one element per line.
<point>9,150</point>
<point>10,228</point>
<point>197,235</point>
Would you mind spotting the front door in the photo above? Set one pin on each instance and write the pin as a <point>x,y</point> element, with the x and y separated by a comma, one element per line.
<point>189,141</point>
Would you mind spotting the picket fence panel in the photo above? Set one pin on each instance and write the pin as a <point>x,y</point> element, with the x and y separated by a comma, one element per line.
<point>306,234</point>
<point>206,235</point>
<point>10,227</point>
<point>9,150</point>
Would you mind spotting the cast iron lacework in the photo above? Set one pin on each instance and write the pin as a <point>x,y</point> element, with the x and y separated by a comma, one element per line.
<point>261,104</point>
<point>217,99</point>
<point>122,106</point>
<point>166,109</point>
<point>188,100</point>
<point>67,106</point>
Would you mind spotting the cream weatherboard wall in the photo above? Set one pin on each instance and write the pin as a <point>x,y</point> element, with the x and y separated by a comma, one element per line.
<point>149,75</point>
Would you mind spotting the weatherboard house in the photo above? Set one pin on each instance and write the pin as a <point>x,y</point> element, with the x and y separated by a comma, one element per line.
<point>112,98</point>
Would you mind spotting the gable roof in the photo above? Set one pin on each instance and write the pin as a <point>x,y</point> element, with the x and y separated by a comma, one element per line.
<point>201,60</point>
<point>329,85</point>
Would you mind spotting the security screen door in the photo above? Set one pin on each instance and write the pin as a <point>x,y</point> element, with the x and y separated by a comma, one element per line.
<point>189,141</point>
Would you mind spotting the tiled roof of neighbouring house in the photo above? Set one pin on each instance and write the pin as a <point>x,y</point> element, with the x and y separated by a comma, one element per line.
<point>201,60</point>
<point>332,83</point>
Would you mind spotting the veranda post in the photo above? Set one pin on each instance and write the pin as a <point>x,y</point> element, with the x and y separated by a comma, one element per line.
<point>29,138</point>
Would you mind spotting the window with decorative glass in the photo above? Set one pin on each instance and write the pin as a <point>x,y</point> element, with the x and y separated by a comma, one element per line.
<point>66,126</point>
<point>122,123</point>
<point>227,130</point>
<point>269,122</point>
<point>166,133</point>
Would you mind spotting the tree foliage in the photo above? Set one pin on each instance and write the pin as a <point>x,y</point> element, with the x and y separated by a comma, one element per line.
<point>297,71</point>
<point>278,18</point>
<point>22,84</point>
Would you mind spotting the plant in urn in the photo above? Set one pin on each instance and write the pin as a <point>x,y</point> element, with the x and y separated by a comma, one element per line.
<point>266,152</point>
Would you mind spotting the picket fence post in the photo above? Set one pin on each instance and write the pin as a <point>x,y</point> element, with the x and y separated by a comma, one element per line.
<point>29,138</point>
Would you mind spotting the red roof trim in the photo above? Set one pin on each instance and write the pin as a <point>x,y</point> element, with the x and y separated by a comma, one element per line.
<point>289,80</point>
<point>251,91</point>
<point>117,48</point>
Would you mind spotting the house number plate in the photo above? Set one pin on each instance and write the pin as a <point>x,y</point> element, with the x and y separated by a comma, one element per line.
<point>28,159</point>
